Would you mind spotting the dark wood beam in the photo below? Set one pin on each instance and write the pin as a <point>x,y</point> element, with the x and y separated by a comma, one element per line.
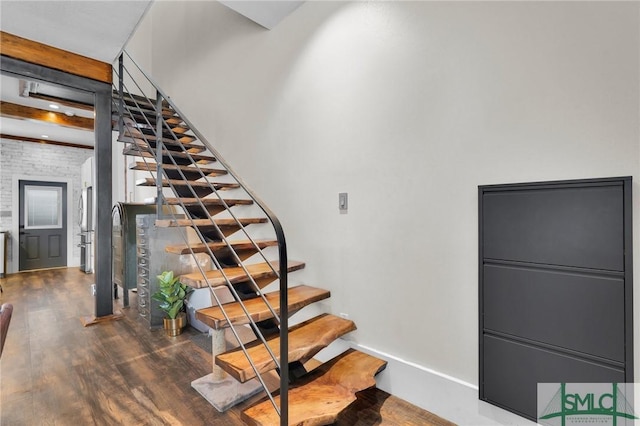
<point>44,141</point>
<point>52,57</point>
<point>11,110</point>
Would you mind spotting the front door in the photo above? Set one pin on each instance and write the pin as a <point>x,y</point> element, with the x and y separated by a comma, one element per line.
<point>43,225</point>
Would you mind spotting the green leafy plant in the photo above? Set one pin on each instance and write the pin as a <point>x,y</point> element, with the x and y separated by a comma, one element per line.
<point>171,294</point>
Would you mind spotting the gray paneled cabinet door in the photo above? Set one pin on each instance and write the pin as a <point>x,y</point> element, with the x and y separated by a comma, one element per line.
<point>555,287</point>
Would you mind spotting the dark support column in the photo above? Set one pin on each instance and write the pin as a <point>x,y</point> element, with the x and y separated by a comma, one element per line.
<point>102,187</point>
<point>121,95</point>
<point>159,148</point>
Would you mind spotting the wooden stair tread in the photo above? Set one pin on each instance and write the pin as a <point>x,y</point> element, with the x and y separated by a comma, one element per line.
<point>169,141</point>
<point>196,184</point>
<point>177,127</point>
<point>188,202</point>
<point>218,245</point>
<point>143,126</point>
<point>236,275</point>
<point>142,105</point>
<point>171,223</point>
<point>130,139</point>
<point>375,406</point>
<point>305,340</point>
<point>129,97</point>
<point>320,396</point>
<point>151,167</point>
<point>167,136</point>
<point>298,297</point>
<point>144,151</point>
<point>137,107</point>
<point>182,144</point>
<point>144,113</point>
<point>142,118</point>
<point>145,117</point>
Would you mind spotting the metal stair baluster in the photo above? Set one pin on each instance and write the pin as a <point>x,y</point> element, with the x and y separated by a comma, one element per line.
<point>282,274</point>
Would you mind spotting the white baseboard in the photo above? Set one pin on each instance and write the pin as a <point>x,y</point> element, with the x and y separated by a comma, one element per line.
<point>440,394</point>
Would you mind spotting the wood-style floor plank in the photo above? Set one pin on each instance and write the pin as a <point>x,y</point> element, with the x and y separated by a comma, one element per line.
<point>54,371</point>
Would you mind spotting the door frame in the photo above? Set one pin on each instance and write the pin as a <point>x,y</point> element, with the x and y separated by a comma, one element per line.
<point>15,228</point>
<point>103,171</point>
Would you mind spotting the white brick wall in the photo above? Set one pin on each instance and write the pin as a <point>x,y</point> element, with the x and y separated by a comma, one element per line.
<point>39,161</point>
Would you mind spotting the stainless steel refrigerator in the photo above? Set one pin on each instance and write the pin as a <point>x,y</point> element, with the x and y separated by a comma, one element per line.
<point>85,220</point>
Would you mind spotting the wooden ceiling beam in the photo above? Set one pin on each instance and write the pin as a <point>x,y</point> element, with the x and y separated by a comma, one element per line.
<point>62,101</point>
<point>11,110</point>
<point>52,57</point>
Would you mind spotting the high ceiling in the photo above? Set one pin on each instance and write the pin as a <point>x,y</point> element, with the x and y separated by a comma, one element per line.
<point>95,29</point>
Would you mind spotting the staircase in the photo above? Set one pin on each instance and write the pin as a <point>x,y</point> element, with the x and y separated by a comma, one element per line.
<point>196,189</point>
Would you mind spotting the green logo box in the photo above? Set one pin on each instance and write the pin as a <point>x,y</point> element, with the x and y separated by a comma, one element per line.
<point>592,404</point>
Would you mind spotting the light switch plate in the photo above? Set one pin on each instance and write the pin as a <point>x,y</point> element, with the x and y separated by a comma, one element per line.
<point>343,201</point>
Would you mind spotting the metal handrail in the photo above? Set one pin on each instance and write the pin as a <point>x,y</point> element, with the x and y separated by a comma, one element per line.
<point>212,187</point>
<point>201,237</point>
<point>281,274</point>
<point>230,286</point>
<point>218,266</point>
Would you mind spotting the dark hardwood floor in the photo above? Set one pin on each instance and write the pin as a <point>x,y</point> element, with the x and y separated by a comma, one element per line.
<point>54,371</point>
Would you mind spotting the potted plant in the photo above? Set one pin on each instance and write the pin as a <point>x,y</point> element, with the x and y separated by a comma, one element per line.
<point>171,295</point>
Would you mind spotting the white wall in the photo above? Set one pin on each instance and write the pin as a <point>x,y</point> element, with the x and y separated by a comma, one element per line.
<point>408,107</point>
<point>26,160</point>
